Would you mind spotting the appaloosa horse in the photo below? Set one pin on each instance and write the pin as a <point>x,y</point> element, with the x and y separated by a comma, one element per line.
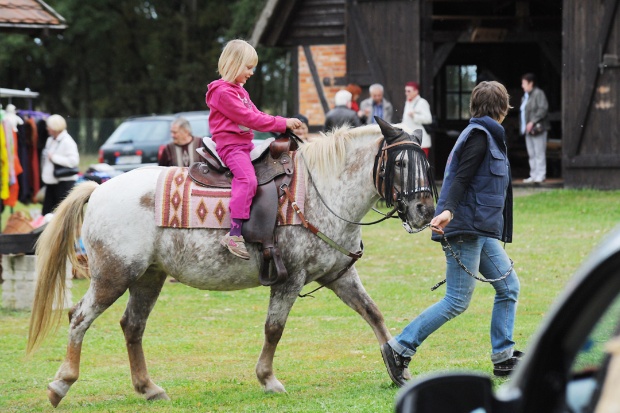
<point>348,171</point>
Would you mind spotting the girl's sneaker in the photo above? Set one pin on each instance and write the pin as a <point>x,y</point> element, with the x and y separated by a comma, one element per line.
<point>236,245</point>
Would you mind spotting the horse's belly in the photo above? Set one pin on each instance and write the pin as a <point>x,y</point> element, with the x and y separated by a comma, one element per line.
<point>196,258</point>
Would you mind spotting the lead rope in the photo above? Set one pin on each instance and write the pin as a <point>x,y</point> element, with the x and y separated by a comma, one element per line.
<point>353,255</point>
<point>460,263</point>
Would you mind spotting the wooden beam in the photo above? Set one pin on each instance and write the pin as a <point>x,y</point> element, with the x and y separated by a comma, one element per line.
<point>465,36</point>
<point>316,78</point>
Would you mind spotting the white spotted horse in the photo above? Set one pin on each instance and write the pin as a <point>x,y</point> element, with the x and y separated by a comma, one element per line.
<point>347,171</point>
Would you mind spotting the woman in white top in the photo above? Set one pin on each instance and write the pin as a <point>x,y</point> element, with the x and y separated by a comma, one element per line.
<point>60,149</point>
<point>417,112</point>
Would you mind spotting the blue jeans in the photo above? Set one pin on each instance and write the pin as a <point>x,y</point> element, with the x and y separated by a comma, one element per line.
<point>478,254</point>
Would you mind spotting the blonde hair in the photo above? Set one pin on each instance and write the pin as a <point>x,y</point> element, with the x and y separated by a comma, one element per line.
<point>56,123</point>
<point>236,55</point>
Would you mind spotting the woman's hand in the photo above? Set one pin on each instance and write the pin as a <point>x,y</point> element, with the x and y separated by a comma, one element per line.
<point>441,221</point>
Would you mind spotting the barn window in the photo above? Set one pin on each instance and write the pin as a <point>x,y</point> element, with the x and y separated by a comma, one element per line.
<point>460,81</point>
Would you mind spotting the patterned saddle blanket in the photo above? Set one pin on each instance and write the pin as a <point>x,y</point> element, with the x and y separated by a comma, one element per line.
<point>181,203</point>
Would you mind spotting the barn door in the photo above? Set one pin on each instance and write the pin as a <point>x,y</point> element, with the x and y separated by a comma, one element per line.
<point>591,93</point>
<point>383,45</point>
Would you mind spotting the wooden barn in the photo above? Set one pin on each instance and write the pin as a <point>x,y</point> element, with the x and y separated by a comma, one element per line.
<point>448,46</point>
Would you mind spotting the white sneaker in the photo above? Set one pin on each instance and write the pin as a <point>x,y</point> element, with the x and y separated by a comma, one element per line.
<point>529,180</point>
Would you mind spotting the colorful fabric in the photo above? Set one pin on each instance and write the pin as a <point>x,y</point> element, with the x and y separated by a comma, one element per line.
<point>181,203</point>
<point>4,166</point>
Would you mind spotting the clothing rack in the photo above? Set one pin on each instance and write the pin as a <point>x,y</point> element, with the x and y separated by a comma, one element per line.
<point>24,94</point>
<point>32,114</point>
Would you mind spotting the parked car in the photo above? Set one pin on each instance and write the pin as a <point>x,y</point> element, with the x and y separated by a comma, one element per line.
<point>138,141</point>
<point>569,365</point>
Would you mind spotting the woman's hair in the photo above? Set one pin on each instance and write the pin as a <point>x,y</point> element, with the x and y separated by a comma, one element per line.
<point>354,89</point>
<point>56,123</point>
<point>489,99</point>
<point>302,118</point>
<point>236,55</point>
<point>530,78</point>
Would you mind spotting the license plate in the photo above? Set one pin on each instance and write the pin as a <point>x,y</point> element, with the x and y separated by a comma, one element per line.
<point>126,160</point>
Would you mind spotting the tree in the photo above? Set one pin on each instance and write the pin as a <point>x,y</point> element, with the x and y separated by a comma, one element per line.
<point>118,59</point>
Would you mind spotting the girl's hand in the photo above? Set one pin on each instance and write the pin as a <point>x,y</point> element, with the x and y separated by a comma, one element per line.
<point>293,123</point>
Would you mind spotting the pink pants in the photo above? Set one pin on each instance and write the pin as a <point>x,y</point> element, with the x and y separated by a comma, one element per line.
<point>244,183</point>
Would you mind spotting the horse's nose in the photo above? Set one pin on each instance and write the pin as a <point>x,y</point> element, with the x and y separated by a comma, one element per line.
<point>425,210</point>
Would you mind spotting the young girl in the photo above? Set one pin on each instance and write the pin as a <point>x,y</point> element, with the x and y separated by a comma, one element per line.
<point>231,120</point>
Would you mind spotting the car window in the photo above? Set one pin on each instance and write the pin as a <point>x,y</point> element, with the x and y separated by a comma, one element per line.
<point>593,351</point>
<point>155,131</point>
<point>200,127</point>
<point>590,366</point>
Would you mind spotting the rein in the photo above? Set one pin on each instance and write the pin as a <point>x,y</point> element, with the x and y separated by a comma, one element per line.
<point>382,162</point>
<point>353,255</point>
<point>460,263</point>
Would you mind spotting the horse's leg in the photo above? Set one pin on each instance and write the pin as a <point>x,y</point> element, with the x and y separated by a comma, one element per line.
<point>96,300</point>
<point>142,297</point>
<point>350,290</point>
<point>281,301</point>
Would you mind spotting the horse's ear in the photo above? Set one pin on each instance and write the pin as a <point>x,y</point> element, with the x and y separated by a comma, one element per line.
<point>389,132</point>
<point>417,136</point>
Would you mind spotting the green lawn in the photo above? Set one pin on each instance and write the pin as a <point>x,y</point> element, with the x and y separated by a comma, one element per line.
<point>202,346</point>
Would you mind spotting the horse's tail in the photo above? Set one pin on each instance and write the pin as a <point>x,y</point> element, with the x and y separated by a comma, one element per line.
<point>55,243</point>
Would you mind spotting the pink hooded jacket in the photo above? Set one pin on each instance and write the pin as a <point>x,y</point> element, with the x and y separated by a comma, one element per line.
<point>233,115</point>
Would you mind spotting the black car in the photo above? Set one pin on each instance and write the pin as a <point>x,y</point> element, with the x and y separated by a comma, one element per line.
<point>138,141</point>
<point>571,365</point>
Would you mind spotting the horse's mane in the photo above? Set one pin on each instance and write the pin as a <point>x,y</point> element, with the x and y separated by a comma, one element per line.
<point>327,154</point>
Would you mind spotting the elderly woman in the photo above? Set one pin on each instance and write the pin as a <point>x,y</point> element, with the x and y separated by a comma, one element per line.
<point>60,151</point>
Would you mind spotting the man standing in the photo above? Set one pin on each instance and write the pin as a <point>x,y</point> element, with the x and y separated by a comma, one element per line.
<point>182,150</point>
<point>417,112</point>
<point>534,125</point>
<point>342,113</point>
<point>375,105</point>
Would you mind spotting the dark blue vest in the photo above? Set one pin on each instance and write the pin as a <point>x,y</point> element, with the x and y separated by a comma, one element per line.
<point>482,209</point>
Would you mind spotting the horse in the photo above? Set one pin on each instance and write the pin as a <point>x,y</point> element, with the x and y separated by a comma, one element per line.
<point>347,171</point>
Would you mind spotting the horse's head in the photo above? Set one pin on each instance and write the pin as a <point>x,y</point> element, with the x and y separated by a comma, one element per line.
<point>403,176</point>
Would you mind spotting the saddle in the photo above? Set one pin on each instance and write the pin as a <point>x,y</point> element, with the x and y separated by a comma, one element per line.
<point>274,168</point>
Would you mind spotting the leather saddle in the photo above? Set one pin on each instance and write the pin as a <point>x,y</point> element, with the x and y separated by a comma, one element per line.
<point>274,167</point>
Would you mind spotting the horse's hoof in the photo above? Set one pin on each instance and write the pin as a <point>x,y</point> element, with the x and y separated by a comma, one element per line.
<point>53,397</point>
<point>159,396</point>
<point>276,387</point>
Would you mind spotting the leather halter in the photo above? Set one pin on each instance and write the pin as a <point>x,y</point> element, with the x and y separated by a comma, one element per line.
<point>398,197</point>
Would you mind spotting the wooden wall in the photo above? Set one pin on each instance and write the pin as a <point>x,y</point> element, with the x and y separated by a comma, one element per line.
<point>591,94</point>
<point>385,51</point>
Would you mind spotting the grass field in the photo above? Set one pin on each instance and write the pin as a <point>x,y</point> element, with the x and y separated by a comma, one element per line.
<point>201,346</point>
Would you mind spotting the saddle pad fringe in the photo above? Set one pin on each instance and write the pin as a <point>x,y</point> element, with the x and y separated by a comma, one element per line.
<point>180,203</point>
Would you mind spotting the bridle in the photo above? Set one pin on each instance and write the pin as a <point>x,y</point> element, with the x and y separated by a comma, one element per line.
<point>382,163</point>
<point>384,167</point>
<point>388,159</point>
